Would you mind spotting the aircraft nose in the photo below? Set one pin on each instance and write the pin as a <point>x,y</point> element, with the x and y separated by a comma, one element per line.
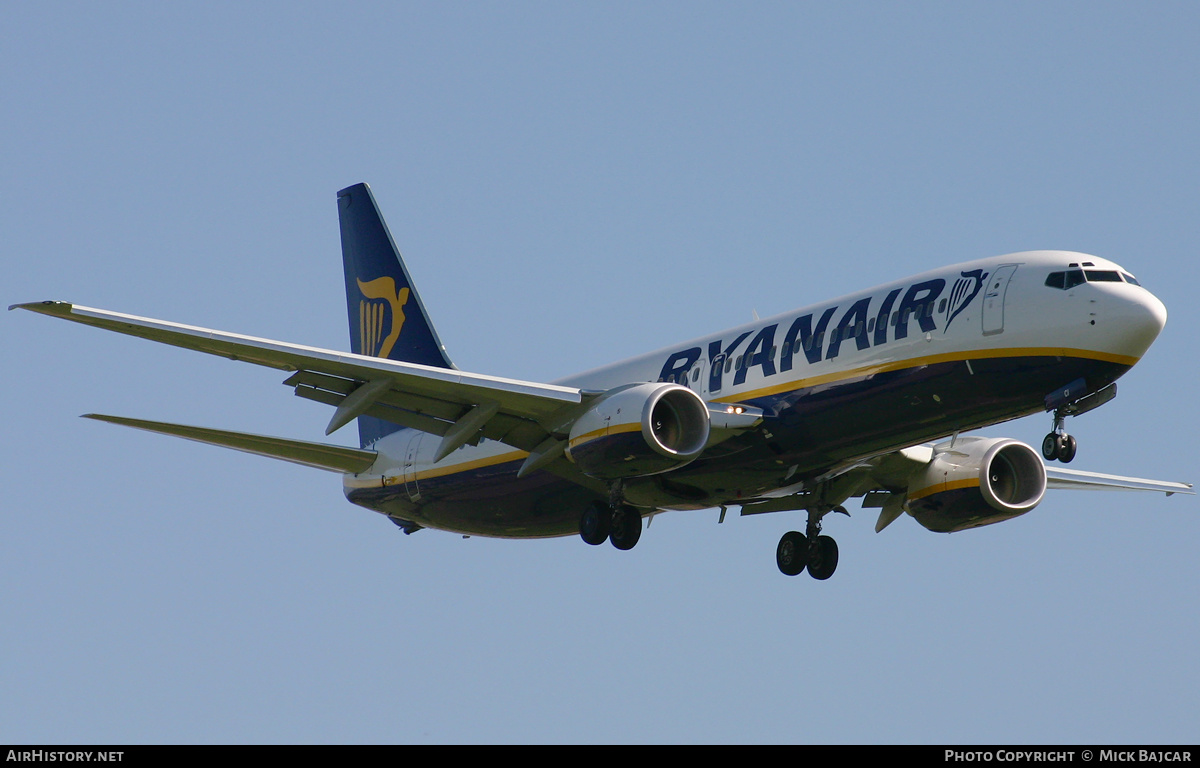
<point>1140,318</point>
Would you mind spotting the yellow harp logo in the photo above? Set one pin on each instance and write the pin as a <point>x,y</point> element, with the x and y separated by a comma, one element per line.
<point>377,330</point>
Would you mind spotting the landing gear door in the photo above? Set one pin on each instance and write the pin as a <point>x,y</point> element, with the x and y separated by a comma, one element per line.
<point>993,300</point>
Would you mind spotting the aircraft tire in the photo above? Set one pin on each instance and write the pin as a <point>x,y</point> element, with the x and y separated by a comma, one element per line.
<point>792,553</point>
<point>1066,449</point>
<point>626,527</point>
<point>823,558</point>
<point>1050,447</point>
<point>595,523</point>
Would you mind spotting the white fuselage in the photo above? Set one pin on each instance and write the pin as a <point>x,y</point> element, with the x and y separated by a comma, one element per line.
<point>996,309</point>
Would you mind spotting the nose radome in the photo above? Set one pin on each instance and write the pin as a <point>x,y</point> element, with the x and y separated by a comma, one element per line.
<point>1141,318</point>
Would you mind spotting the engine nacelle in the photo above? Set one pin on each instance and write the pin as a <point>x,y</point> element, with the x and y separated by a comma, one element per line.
<point>643,429</point>
<point>979,481</point>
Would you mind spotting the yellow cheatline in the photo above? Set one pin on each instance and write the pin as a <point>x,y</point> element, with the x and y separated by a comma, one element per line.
<point>972,482</point>
<point>469,465</point>
<point>814,381</point>
<point>605,431</point>
<point>913,362</point>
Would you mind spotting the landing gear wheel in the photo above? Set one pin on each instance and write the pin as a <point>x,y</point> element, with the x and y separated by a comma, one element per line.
<point>626,527</point>
<point>595,523</point>
<point>1066,449</point>
<point>1059,446</point>
<point>792,553</point>
<point>822,558</point>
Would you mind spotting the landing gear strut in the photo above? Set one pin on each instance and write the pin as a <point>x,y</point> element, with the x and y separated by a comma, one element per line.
<point>1058,444</point>
<point>818,553</point>
<point>620,524</point>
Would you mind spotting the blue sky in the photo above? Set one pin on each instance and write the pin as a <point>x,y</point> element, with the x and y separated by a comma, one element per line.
<point>571,183</point>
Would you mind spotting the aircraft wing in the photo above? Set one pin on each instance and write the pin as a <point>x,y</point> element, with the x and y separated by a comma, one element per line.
<point>1079,480</point>
<point>885,482</point>
<point>456,405</point>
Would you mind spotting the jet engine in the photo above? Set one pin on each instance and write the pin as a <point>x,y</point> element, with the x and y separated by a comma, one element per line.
<point>639,430</point>
<point>976,481</point>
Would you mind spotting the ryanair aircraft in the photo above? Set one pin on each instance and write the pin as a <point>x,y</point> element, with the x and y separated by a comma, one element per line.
<point>865,396</point>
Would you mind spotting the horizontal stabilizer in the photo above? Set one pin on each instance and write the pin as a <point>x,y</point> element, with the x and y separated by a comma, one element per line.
<point>334,458</point>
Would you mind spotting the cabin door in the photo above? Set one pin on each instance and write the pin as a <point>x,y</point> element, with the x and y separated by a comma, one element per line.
<point>410,466</point>
<point>993,299</point>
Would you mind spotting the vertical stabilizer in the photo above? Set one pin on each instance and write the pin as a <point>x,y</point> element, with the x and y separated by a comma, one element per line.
<point>387,318</point>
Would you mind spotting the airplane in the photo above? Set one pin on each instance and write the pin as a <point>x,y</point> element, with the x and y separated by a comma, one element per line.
<point>865,396</point>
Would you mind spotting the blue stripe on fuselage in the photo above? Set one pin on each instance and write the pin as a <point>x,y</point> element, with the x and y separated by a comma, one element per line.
<point>811,428</point>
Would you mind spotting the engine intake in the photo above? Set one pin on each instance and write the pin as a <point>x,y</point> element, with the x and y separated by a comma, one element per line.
<point>979,481</point>
<point>640,430</point>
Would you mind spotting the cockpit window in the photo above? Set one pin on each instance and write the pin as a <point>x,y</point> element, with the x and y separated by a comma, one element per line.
<point>1065,280</point>
<point>1072,277</point>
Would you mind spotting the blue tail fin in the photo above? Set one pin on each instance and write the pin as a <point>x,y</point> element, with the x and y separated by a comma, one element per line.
<point>387,318</point>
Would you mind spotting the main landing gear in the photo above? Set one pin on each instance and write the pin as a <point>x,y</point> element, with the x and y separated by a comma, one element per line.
<point>619,523</point>
<point>797,551</point>
<point>1058,444</point>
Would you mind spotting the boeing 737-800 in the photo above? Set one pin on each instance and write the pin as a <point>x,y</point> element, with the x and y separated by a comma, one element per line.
<point>865,396</point>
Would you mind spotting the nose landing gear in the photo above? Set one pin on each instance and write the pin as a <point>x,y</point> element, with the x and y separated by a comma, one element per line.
<point>1058,444</point>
